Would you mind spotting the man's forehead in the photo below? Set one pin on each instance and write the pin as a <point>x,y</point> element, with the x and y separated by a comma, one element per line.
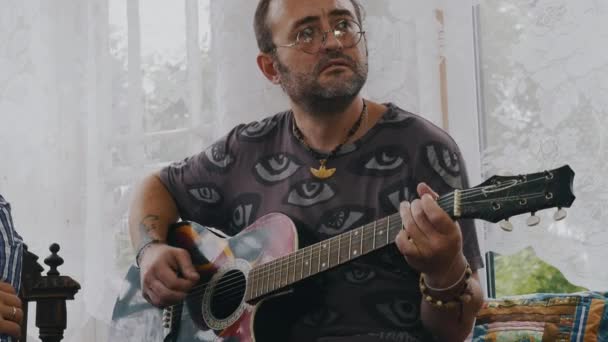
<point>286,12</point>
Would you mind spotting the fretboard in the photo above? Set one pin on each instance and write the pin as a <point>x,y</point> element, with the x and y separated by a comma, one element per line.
<point>327,254</point>
<point>322,256</point>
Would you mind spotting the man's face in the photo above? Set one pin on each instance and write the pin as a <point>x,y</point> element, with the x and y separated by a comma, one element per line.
<point>329,80</point>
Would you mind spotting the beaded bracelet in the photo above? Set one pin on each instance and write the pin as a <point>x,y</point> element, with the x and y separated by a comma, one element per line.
<point>143,247</point>
<point>462,295</point>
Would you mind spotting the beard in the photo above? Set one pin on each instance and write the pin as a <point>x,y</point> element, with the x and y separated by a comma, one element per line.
<point>306,90</point>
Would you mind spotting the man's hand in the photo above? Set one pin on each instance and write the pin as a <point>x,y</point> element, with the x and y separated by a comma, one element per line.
<point>430,240</point>
<point>11,314</point>
<point>167,274</point>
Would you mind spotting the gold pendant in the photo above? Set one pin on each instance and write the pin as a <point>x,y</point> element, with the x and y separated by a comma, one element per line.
<point>322,172</point>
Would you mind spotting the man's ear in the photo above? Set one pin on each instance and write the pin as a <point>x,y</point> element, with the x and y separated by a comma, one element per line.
<point>266,65</point>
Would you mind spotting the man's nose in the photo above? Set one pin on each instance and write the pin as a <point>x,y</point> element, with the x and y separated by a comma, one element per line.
<point>330,42</point>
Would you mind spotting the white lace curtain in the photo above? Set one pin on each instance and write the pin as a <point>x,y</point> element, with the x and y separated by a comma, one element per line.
<point>94,94</point>
<point>544,74</point>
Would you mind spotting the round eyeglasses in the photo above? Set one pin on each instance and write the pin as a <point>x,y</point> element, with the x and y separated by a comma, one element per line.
<point>311,39</point>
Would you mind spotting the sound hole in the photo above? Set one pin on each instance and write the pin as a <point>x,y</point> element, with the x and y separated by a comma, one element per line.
<point>228,294</point>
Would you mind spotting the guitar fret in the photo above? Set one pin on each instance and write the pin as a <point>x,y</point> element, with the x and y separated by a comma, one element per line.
<point>301,265</point>
<point>345,247</point>
<point>374,240</point>
<point>254,276</point>
<point>354,252</point>
<point>285,263</point>
<point>329,254</point>
<point>310,262</point>
<point>339,261</point>
<point>269,277</point>
<point>288,264</point>
<point>361,241</point>
<point>263,273</point>
<point>388,225</point>
<point>319,251</point>
<point>271,273</point>
<point>295,265</point>
<point>350,243</point>
<point>277,275</point>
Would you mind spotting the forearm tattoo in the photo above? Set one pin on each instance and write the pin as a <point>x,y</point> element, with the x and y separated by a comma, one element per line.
<point>148,226</point>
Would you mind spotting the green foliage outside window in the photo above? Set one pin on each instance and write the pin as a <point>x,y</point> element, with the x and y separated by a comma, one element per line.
<point>524,273</point>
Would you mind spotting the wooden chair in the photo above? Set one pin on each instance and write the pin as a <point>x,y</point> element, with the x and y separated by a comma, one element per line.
<point>49,292</point>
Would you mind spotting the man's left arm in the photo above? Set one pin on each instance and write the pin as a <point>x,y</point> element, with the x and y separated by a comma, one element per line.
<point>432,244</point>
<point>452,324</point>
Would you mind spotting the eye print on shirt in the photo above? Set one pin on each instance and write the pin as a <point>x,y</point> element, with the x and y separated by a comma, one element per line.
<point>394,194</point>
<point>244,211</point>
<point>384,161</point>
<point>400,312</point>
<point>323,317</point>
<point>445,163</point>
<point>342,219</point>
<point>217,158</point>
<point>359,274</point>
<point>259,130</point>
<point>207,194</point>
<point>308,193</point>
<point>275,168</point>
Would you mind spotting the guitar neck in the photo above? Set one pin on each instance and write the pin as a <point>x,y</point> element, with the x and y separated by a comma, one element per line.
<point>322,256</point>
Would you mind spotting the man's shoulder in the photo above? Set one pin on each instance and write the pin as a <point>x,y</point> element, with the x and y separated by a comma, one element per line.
<point>262,129</point>
<point>3,202</point>
<point>424,129</point>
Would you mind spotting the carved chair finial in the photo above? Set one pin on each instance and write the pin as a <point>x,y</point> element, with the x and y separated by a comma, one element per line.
<point>54,260</point>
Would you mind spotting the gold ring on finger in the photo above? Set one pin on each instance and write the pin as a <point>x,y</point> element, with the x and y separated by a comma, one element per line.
<point>13,313</point>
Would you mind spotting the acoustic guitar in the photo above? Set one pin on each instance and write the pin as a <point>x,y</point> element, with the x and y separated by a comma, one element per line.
<point>237,274</point>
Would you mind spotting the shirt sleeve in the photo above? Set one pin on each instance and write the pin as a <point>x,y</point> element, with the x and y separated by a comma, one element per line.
<point>11,253</point>
<point>199,184</point>
<point>11,248</point>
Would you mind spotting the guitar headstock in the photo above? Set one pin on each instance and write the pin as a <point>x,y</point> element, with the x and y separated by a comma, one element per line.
<point>501,197</point>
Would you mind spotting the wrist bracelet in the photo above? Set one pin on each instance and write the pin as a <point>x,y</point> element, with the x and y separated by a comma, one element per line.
<point>457,298</point>
<point>466,273</point>
<point>140,251</point>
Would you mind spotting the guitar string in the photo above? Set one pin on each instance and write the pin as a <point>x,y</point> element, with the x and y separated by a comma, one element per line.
<point>280,267</point>
<point>240,280</point>
<point>231,292</point>
<point>271,267</point>
<point>465,194</point>
<point>277,266</point>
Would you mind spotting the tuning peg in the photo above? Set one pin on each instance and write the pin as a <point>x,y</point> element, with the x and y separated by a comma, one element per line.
<point>533,220</point>
<point>560,214</point>
<point>506,225</point>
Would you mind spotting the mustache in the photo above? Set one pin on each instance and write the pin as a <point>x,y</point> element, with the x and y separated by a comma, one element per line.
<point>327,58</point>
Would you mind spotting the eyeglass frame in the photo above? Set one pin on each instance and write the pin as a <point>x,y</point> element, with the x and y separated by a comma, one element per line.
<point>324,38</point>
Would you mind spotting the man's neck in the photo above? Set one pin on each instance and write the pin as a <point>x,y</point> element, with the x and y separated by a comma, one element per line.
<point>323,132</point>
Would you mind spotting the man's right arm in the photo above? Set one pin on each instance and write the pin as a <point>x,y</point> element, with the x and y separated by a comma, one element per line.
<point>152,211</point>
<point>167,273</point>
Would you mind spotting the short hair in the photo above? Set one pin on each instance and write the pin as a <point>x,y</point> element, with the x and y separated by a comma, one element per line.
<point>263,33</point>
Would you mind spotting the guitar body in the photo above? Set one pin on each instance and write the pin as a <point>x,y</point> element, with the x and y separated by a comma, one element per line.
<point>215,309</point>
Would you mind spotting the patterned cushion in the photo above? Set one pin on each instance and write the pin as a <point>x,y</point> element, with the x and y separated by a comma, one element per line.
<point>579,316</point>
